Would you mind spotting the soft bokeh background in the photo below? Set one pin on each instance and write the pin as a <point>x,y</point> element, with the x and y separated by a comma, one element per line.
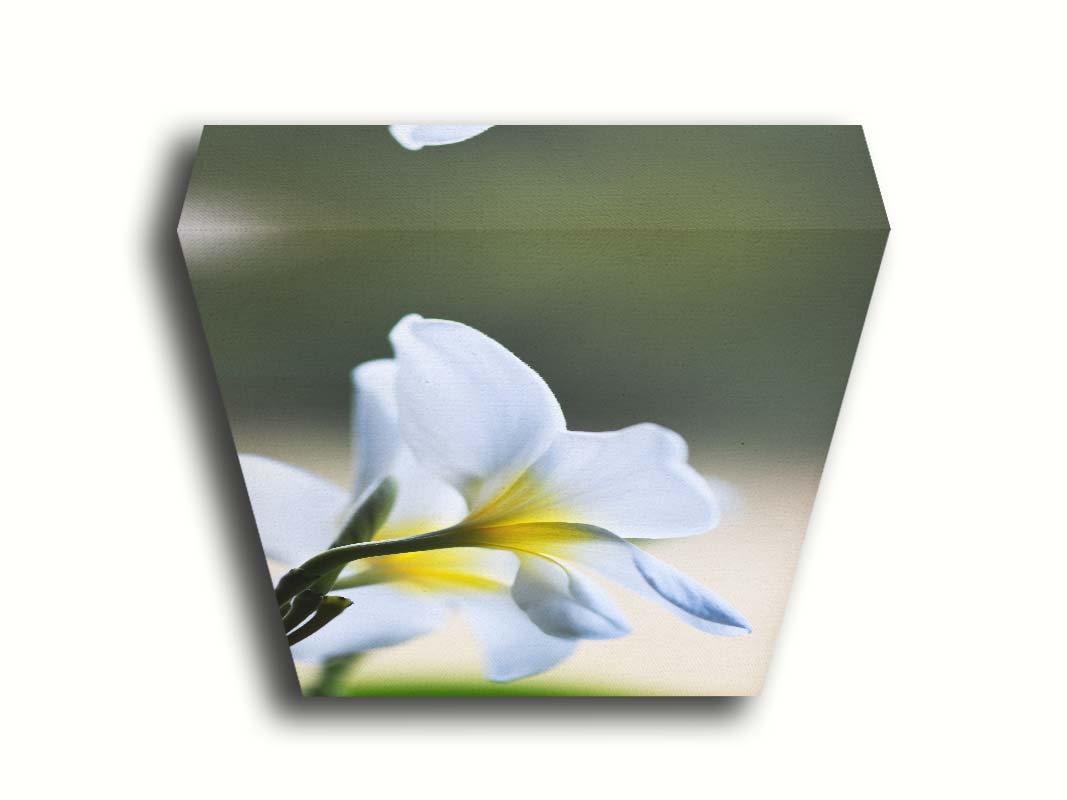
<point>711,279</point>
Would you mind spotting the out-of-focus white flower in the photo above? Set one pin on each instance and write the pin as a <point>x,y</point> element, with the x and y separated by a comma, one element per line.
<point>415,137</point>
<point>477,445</point>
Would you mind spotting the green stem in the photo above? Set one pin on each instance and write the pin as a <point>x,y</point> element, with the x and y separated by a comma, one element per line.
<point>335,674</point>
<point>330,608</point>
<point>303,606</point>
<point>308,600</point>
<point>362,524</point>
<point>318,567</point>
<point>370,516</point>
<point>357,579</point>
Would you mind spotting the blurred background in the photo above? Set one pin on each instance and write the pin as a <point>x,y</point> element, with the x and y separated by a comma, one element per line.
<point>711,279</point>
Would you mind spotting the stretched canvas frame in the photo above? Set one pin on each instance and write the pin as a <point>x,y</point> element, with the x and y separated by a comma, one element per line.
<point>702,285</point>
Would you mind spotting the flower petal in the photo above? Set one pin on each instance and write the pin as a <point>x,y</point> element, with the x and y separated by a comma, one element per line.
<point>634,482</point>
<point>684,597</point>
<point>298,514</point>
<point>415,137</point>
<point>564,602</point>
<point>445,571</point>
<point>423,502</point>
<point>622,562</point>
<point>514,647</point>
<point>470,410</point>
<point>380,616</point>
<point>375,434</point>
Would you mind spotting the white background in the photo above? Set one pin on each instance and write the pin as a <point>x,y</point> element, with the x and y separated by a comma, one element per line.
<point>923,649</point>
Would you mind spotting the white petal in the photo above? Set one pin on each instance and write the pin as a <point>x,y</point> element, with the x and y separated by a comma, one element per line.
<point>298,514</point>
<point>415,137</point>
<point>564,602</point>
<point>470,410</point>
<point>514,647</point>
<point>619,560</point>
<point>683,596</point>
<point>380,616</point>
<point>424,502</point>
<point>634,482</point>
<point>375,435</point>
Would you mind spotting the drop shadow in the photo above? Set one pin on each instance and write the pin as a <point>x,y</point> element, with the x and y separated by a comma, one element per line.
<point>218,455</point>
<point>246,563</point>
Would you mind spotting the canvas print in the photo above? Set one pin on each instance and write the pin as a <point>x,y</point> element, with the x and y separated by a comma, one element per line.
<point>534,410</point>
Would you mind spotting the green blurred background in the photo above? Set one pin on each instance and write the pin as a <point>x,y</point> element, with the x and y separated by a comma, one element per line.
<point>711,279</point>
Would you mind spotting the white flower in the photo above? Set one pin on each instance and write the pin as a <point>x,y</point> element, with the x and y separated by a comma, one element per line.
<point>478,447</point>
<point>415,137</point>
